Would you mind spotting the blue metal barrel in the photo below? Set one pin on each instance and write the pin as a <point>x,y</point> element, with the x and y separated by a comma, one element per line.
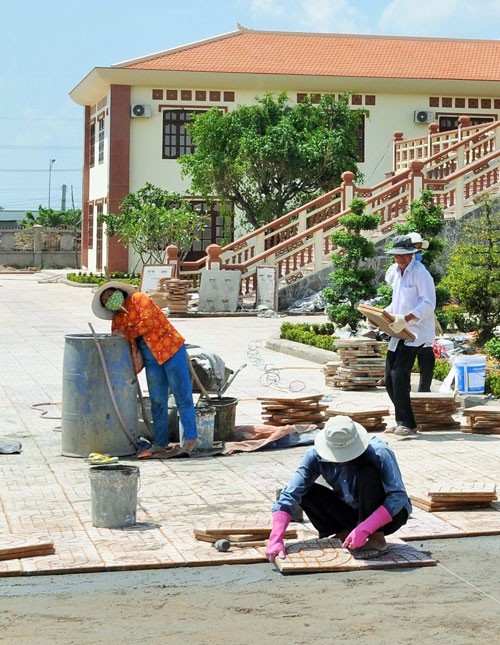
<point>89,421</point>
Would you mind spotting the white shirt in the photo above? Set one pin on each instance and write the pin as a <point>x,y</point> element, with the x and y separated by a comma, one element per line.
<point>414,292</point>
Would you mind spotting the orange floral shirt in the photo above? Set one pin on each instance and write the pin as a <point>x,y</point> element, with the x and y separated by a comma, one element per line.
<point>144,318</point>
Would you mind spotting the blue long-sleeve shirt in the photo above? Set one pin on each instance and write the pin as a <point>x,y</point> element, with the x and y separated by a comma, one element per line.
<point>342,478</point>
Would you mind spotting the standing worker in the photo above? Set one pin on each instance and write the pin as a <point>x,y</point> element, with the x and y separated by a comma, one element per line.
<point>158,347</point>
<point>426,357</point>
<point>413,304</point>
<point>366,498</point>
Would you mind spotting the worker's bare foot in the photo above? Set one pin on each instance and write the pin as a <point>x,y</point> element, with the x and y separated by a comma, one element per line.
<point>188,446</point>
<point>376,541</point>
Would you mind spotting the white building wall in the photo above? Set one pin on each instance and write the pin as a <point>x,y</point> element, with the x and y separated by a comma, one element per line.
<point>391,113</point>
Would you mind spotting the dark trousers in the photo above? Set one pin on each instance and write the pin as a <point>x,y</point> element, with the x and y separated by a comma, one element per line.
<point>426,362</point>
<point>329,514</point>
<point>398,365</point>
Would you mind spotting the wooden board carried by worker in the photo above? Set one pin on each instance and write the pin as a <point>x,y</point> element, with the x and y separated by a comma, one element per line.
<point>382,319</point>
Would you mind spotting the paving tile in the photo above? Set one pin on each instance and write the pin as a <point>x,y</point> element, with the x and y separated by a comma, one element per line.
<point>327,555</point>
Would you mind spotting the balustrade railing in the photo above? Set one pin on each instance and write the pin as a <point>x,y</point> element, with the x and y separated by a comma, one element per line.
<point>455,165</point>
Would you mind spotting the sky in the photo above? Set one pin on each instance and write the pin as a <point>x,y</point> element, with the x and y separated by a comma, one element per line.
<point>47,48</point>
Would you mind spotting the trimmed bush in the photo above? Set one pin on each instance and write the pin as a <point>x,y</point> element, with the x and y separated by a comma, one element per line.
<point>316,335</point>
<point>100,279</point>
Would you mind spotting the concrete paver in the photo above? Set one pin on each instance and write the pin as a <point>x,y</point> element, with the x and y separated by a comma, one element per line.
<point>46,494</point>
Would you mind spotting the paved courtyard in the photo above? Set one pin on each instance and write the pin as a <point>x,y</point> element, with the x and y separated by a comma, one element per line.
<point>46,494</point>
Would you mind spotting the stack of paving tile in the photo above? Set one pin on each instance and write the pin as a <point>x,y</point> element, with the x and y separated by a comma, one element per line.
<point>435,410</point>
<point>456,497</point>
<point>288,411</point>
<point>173,294</point>
<point>372,420</point>
<point>330,370</point>
<point>362,364</point>
<point>482,419</point>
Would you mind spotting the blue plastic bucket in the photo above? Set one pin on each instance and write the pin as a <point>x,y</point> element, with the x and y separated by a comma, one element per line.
<point>470,373</point>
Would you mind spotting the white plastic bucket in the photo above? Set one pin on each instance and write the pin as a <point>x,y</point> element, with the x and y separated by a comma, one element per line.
<point>113,493</point>
<point>470,374</point>
<point>205,425</point>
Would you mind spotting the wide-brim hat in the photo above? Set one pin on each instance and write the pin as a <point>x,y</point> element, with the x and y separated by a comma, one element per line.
<point>402,245</point>
<point>416,238</point>
<point>341,440</point>
<point>99,309</point>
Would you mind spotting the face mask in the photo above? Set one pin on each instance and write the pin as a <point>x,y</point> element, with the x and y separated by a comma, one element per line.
<point>115,301</point>
<point>418,256</point>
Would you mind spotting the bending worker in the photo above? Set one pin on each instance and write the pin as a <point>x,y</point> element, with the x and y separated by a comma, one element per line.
<point>412,305</point>
<point>367,499</point>
<point>158,346</point>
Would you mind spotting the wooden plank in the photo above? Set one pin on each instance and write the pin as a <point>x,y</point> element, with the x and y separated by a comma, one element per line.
<point>233,530</point>
<point>12,548</point>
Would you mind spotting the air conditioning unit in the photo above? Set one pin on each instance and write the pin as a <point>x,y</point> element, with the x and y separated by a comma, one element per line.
<point>138,110</point>
<point>421,116</point>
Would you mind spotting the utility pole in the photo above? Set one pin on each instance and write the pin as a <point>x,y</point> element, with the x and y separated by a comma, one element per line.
<point>51,163</point>
<point>63,197</point>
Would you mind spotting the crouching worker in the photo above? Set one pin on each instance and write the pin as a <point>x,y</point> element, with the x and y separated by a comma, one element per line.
<point>367,499</point>
<point>158,346</point>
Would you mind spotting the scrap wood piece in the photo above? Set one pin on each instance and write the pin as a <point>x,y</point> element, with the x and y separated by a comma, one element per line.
<point>214,535</point>
<point>382,319</point>
<point>327,555</point>
<point>260,527</point>
<point>12,548</point>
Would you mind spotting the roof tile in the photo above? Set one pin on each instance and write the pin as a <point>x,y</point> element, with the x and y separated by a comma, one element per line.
<point>255,52</point>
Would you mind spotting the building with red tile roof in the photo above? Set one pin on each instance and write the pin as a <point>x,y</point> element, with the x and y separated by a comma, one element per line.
<point>134,110</point>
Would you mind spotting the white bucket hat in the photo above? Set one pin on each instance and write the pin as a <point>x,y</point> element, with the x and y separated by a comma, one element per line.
<point>99,309</point>
<point>341,440</point>
<point>416,238</point>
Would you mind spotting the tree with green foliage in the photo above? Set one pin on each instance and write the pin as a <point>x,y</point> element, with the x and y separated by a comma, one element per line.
<point>152,219</point>
<point>473,276</point>
<point>270,157</point>
<point>352,282</point>
<point>426,217</point>
<point>53,219</point>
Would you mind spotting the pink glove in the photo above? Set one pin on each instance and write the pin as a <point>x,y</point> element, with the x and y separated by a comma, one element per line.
<point>358,536</point>
<point>276,545</point>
